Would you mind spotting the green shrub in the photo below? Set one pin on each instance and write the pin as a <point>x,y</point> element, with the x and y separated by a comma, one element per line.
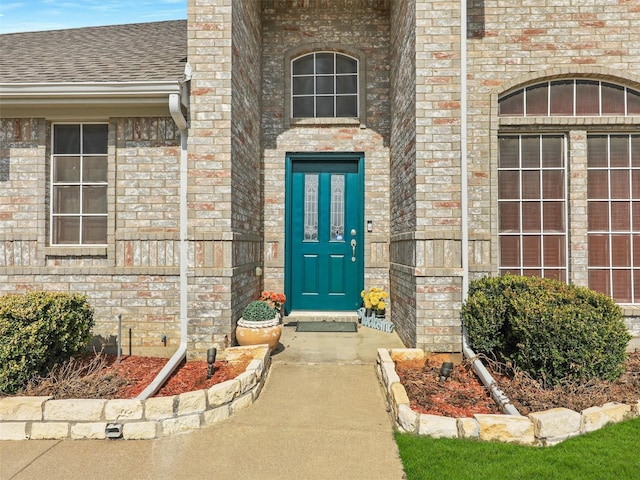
<point>258,310</point>
<point>547,328</point>
<point>39,330</point>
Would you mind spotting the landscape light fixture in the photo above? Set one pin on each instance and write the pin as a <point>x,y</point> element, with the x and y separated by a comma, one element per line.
<point>211,359</point>
<point>445,370</point>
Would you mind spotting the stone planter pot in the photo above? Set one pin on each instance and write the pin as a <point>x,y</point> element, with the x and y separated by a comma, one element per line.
<point>259,332</point>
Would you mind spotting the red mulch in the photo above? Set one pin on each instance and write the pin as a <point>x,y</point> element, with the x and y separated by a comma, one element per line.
<point>101,376</point>
<point>461,395</point>
<point>189,376</point>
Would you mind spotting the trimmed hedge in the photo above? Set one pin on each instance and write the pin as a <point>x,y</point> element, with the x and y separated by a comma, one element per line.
<point>547,328</point>
<point>39,330</point>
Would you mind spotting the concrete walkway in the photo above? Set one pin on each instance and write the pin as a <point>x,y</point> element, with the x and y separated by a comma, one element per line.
<point>321,415</point>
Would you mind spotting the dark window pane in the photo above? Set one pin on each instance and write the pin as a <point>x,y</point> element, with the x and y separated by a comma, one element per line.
<point>303,66</point>
<point>532,273</point>
<point>324,107</point>
<point>66,169</point>
<point>346,64</point>
<point>303,86</point>
<point>635,150</point>
<point>597,151</point>
<point>598,250</point>
<point>552,152</point>
<point>636,216</point>
<point>633,102</point>
<point>553,217</point>
<point>636,252</point>
<point>347,84</point>
<point>554,251</point>
<point>619,147</point>
<point>95,169</point>
<point>324,63</point>
<point>599,281</point>
<point>598,214</point>
<point>66,230</point>
<point>94,230</point>
<point>553,184</point>
<point>509,251</point>
<point>324,85</point>
<point>538,100</point>
<point>619,183</point>
<point>94,139</point>
<point>587,97</point>
<point>512,105</point>
<point>562,97</point>
<point>509,217</point>
<point>531,184</point>
<point>508,184</point>
<point>509,154</point>
<point>622,285</point>
<point>530,217</point>
<point>531,251</point>
<point>620,212</point>
<point>66,199</point>
<point>94,200</point>
<point>598,184</point>
<point>347,106</point>
<point>612,99</point>
<point>303,107</point>
<point>555,274</point>
<point>621,250</point>
<point>66,139</point>
<point>530,152</point>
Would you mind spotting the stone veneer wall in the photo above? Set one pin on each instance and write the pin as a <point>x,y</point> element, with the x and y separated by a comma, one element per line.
<point>224,160</point>
<point>341,25</point>
<point>545,428</point>
<point>403,169</point>
<point>42,418</point>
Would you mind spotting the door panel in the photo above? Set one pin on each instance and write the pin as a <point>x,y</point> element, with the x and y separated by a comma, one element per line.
<point>324,217</point>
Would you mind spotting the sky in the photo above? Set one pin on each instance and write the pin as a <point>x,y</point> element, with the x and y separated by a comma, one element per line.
<point>37,15</point>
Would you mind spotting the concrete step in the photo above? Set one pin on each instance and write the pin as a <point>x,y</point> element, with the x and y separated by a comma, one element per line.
<point>325,316</point>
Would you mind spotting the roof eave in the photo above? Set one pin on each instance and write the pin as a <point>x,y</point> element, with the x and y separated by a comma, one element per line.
<point>81,92</point>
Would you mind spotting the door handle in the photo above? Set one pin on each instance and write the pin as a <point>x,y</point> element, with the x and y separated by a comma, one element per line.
<point>353,249</point>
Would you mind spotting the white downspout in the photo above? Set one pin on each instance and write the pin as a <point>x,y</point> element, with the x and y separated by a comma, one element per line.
<point>484,375</point>
<point>179,355</point>
<point>464,181</point>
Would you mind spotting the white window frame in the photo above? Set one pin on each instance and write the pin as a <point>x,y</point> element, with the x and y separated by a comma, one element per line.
<point>521,269</point>
<point>81,183</point>
<point>611,232</point>
<point>334,95</point>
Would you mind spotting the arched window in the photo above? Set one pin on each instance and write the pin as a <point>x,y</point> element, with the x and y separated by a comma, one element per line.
<point>324,84</point>
<point>536,206</point>
<point>573,98</point>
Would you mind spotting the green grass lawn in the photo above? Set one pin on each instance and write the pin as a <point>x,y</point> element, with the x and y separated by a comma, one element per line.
<point>610,453</point>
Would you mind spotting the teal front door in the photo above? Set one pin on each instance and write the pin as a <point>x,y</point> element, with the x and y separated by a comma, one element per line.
<point>324,261</point>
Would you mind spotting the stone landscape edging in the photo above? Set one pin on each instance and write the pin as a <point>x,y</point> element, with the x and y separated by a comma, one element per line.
<point>43,418</point>
<point>545,428</point>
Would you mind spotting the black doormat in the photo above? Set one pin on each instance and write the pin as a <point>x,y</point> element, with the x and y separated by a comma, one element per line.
<point>347,327</point>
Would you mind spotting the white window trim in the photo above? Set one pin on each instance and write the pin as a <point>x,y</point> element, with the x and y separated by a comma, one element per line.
<point>59,248</point>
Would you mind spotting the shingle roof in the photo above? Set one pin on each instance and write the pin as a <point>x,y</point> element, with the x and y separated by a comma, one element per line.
<point>119,53</point>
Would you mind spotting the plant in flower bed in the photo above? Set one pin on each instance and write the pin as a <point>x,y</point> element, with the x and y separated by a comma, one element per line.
<point>550,344</point>
<point>461,395</point>
<point>101,376</point>
<point>530,395</point>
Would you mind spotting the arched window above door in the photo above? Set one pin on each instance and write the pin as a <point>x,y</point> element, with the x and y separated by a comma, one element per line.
<point>325,85</point>
<point>570,97</point>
